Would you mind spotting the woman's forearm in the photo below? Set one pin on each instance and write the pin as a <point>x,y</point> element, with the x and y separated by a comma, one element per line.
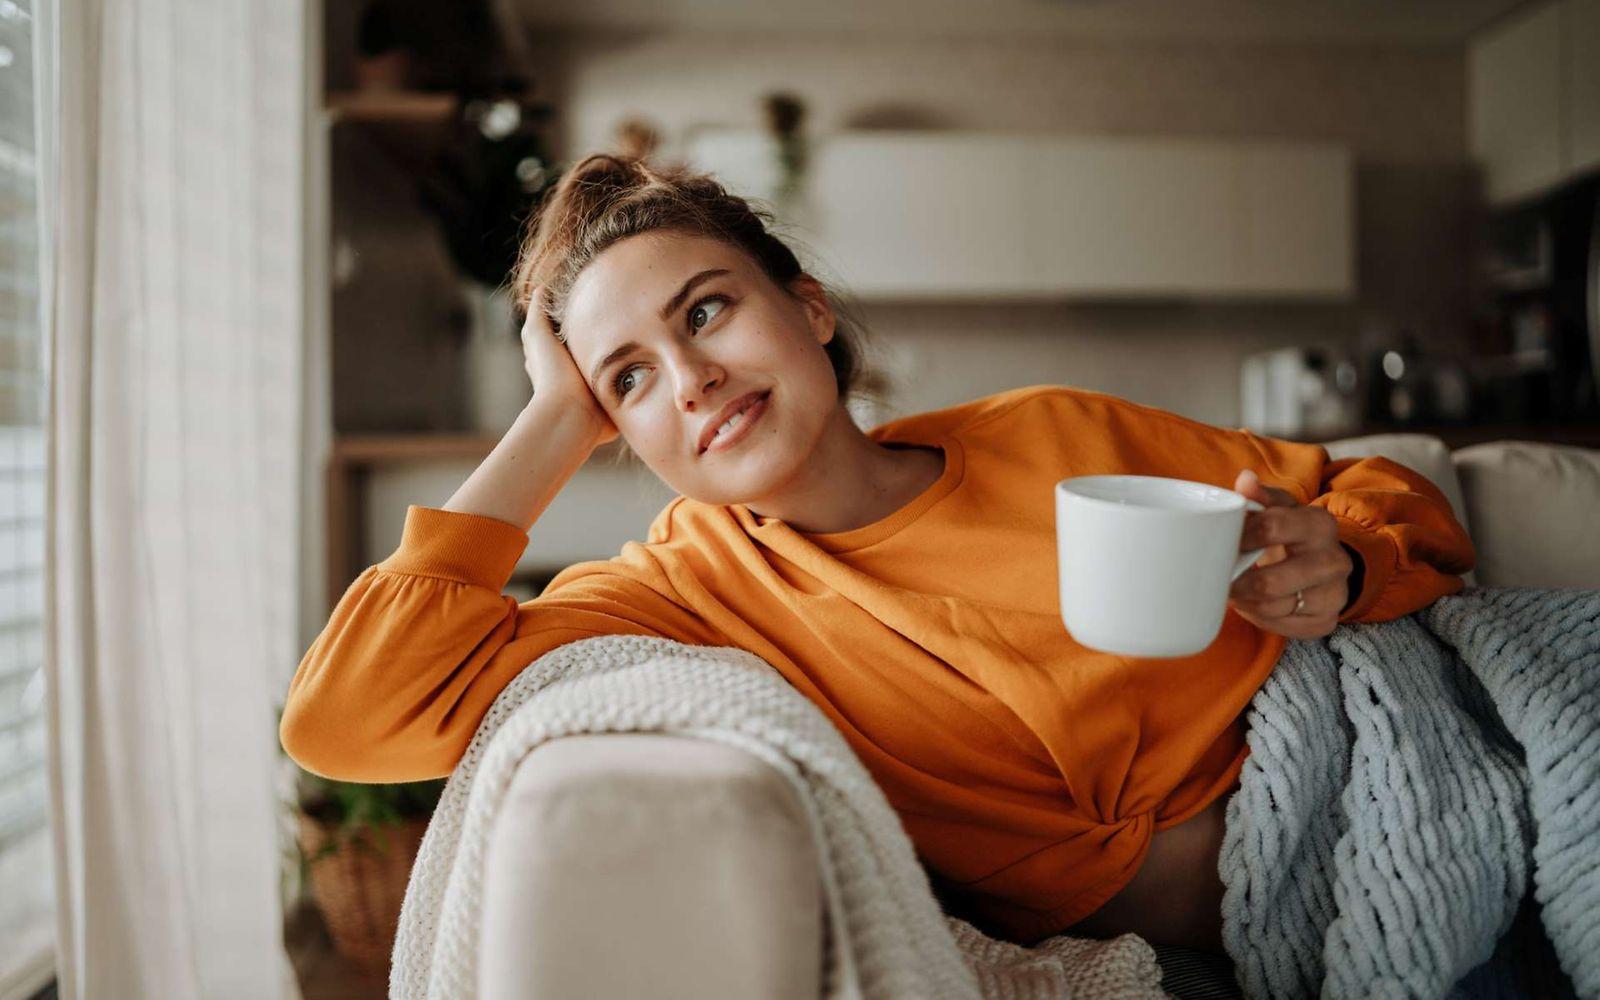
<point>545,446</point>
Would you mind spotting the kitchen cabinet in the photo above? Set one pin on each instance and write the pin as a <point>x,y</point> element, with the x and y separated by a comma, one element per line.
<point>901,216</point>
<point>1534,98</point>
<point>1128,216</point>
<point>979,215</point>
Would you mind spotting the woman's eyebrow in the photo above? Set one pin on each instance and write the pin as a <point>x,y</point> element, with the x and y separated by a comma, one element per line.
<point>605,362</point>
<point>666,314</point>
<point>688,286</point>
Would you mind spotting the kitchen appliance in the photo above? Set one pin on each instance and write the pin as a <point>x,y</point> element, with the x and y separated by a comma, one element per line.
<point>1290,392</point>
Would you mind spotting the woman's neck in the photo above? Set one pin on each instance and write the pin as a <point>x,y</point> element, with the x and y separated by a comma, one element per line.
<point>851,481</point>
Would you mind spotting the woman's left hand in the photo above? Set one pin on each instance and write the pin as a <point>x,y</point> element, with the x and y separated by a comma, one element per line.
<point>1303,554</point>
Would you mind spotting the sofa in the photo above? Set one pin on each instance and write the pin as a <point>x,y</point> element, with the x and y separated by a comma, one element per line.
<point>698,856</point>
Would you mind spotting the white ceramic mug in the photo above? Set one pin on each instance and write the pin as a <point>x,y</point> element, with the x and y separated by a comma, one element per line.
<point>1145,562</point>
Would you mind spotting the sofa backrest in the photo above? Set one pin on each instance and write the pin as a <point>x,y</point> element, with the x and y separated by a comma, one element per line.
<point>1535,512</point>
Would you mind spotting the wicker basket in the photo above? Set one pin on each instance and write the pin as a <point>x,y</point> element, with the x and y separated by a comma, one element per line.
<point>359,887</point>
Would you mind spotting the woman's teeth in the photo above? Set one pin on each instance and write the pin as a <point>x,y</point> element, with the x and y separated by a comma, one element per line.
<point>729,424</point>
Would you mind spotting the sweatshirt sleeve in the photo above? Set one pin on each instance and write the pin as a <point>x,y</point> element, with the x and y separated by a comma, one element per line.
<point>1412,549</point>
<point>420,644</point>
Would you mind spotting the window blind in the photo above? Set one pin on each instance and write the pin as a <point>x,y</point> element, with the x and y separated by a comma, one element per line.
<point>26,909</point>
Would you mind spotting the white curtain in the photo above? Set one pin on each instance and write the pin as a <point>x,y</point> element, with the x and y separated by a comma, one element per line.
<point>171,163</point>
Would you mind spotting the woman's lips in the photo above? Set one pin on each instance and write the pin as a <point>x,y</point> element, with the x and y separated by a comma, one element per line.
<point>751,414</point>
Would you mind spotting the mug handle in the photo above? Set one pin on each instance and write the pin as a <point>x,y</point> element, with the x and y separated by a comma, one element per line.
<point>1248,559</point>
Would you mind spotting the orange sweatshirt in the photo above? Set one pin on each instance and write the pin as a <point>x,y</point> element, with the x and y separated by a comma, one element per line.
<point>1028,770</point>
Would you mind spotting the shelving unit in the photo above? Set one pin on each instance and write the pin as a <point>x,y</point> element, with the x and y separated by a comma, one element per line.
<point>386,331</point>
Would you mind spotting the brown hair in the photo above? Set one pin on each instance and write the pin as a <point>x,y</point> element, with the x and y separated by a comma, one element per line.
<point>606,198</point>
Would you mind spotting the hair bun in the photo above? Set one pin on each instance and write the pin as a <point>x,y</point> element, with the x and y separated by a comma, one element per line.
<point>609,171</point>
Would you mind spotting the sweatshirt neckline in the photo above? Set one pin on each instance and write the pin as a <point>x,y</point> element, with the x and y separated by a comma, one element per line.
<point>835,542</point>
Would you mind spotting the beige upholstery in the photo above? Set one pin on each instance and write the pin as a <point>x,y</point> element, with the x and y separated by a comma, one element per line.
<point>1535,512</point>
<point>633,865</point>
<point>648,865</point>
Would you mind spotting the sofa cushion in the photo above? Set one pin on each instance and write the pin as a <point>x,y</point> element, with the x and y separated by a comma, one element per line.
<point>1422,453</point>
<point>1535,512</point>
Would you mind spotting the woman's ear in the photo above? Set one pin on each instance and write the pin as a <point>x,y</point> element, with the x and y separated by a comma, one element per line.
<point>819,311</point>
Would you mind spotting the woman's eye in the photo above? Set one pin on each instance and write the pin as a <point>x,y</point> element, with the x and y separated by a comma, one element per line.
<point>620,385</point>
<point>700,307</point>
<point>625,381</point>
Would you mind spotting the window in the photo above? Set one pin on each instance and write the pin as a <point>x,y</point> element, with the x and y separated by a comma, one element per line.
<point>26,908</point>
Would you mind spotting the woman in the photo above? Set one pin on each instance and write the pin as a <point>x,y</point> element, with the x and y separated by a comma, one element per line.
<point>903,579</point>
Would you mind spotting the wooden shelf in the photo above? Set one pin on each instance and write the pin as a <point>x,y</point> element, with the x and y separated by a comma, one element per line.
<point>432,446</point>
<point>398,106</point>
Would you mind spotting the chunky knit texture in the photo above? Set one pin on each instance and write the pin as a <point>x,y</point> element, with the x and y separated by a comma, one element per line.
<point>1405,780</point>
<point>886,936</point>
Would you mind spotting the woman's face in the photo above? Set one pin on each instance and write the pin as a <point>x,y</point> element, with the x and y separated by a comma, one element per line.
<point>706,327</point>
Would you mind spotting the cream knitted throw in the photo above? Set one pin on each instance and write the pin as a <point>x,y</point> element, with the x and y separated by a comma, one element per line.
<point>1409,782</point>
<point>886,936</point>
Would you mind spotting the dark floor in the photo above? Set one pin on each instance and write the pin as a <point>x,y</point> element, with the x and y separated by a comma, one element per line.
<point>322,972</point>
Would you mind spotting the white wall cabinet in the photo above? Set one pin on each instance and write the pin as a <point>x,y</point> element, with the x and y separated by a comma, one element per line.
<point>1534,98</point>
<point>977,215</point>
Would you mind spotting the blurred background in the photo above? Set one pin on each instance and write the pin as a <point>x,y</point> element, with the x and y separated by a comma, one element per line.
<point>1311,219</point>
<point>1314,220</point>
<point>253,265</point>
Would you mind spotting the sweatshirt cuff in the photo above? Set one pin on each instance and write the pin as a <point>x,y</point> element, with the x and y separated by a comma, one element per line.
<point>1378,559</point>
<point>453,545</point>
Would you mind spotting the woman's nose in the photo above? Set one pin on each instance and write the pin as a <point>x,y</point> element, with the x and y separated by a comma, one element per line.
<point>696,378</point>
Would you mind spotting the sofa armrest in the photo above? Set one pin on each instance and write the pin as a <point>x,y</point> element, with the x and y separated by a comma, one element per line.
<point>643,864</point>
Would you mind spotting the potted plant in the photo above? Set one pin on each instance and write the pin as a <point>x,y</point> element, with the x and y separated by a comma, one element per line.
<point>357,845</point>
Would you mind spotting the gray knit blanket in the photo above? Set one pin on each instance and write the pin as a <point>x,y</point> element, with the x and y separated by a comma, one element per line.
<point>1419,815</point>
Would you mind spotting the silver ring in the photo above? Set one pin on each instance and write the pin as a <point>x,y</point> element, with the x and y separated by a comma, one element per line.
<point>1299,602</point>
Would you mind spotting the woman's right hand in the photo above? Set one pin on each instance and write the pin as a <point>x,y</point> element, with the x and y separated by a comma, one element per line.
<point>553,371</point>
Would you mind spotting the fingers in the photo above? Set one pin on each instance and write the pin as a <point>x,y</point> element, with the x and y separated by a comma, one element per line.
<point>538,319</point>
<point>1319,617</point>
<point>1250,484</point>
<point>1297,527</point>
<point>1323,604</point>
<point>1268,587</point>
<point>1306,558</point>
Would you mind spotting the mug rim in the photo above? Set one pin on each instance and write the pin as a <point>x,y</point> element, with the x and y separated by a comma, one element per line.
<point>1063,487</point>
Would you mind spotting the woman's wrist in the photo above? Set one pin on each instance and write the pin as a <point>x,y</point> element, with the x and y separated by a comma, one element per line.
<point>559,416</point>
<point>546,444</point>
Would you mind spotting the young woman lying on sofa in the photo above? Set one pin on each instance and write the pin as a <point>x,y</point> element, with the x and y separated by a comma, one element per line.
<point>902,578</point>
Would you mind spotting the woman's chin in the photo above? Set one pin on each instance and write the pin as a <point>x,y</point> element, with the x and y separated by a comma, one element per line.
<point>738,482</point>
